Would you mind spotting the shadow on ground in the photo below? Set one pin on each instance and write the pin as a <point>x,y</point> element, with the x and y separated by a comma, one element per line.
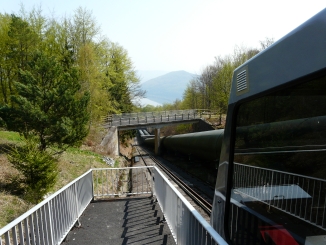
<point>122,221</point>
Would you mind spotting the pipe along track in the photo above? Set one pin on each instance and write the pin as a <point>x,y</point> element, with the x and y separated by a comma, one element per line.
<point>196,197</point>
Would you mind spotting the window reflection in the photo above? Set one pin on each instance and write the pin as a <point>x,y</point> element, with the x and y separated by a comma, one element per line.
<point>280,161</point>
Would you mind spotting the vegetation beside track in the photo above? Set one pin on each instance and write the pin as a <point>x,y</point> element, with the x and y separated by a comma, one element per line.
<point>71,164</point>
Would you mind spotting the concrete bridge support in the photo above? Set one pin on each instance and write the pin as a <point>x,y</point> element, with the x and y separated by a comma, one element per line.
<point>110,142</point>
<point>157,141</point>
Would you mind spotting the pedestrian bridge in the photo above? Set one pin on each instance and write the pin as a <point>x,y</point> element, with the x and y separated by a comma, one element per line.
<point>158,119</point>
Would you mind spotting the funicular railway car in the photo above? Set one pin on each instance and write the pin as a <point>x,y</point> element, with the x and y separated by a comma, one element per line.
<point>271,182</point>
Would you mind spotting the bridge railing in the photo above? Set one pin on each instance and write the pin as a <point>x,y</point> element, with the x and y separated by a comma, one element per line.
<point>151,117</point>
<point>50,221</point>
<point>114,182</point>
<point>116,117</point>
<point>157,117</point>
<point>186,224</point>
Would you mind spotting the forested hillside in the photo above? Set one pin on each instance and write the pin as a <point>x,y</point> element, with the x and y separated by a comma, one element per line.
<point>58,77</point>
<point>76,43</point>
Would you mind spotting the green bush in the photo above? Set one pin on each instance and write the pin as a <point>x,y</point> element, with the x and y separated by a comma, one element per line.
<point>38,170</point>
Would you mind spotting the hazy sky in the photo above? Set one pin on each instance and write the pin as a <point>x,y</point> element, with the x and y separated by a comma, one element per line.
<point>172,35</point>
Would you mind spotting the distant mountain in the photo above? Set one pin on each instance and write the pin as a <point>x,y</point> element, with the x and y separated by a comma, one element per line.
<point>147,75</point>
<point>144,102</point>
<point>167,88</point>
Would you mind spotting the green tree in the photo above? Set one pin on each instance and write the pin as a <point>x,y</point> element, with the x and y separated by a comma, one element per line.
<point>38,170</point>
<point>21,44</point>
<point>17,43</point>
<point>191,96</point>
<point>222,84</point>
<point>48,104</point>
<point>4,66</point>
<point>123,78</point>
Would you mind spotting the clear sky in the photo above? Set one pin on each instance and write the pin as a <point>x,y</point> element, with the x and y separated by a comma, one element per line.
<point>173,35</point>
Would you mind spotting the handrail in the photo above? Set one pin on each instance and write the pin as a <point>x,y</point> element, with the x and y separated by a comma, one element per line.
<point>50,221</point>
<point>183,232</point>
<point>41,204</point>
<point>133,118</point>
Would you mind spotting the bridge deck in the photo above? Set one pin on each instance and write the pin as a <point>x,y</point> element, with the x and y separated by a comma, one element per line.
<point>121,221</point>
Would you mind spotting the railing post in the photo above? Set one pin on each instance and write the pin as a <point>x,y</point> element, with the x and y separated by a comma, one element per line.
<point>92,179</point>
<point>161,117</point>
<point>168,118</point>
<point>129,120</point>
<point>182,116</point>
<point>146,119</point>
<point>77,206</point>
<point>7,237</point>
<point>175,117</point>
<point>49,223</point>
<point>120,120</point>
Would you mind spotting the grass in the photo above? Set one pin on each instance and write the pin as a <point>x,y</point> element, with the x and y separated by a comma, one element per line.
<point>7,137</point>
<point>71,164</point>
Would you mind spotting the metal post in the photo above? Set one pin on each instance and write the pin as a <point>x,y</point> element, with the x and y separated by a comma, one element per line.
<point>76,200</point>
<point>49,223</point>
<point>92,179</point>
<point>157,141</point>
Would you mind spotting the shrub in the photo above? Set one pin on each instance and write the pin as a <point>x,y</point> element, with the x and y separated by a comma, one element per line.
<point>38,169</point>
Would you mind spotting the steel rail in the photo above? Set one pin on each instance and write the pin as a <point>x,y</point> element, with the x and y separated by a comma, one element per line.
<point>206,206</point>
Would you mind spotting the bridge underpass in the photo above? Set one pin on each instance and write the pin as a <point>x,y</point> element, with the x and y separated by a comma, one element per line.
<point>156,120</point>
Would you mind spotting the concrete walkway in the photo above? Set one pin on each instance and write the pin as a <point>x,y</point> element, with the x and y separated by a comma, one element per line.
<point>121,221</point>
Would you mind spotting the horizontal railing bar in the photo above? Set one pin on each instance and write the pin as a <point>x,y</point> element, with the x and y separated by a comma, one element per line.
<point>96,169</point>
<point>129,193</point>
<point>282,172</point>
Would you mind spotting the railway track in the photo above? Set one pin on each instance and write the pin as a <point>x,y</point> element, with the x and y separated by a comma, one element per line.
<point>198,198</point>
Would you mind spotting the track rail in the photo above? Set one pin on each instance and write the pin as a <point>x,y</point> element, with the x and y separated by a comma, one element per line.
<point>196,197</point>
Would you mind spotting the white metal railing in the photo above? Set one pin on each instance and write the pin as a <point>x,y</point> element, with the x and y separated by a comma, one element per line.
<point>126,119</point>
<point>151,114</point>
<point>50,221</point>
<point>114,182</point>
<point>186,224</point>
<point>151,117</point>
